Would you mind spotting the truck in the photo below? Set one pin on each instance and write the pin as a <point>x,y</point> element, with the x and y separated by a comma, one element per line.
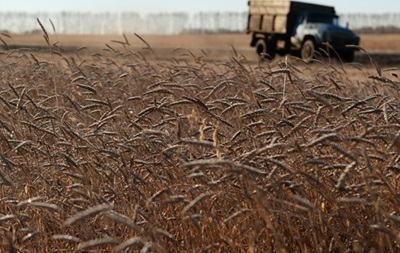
<point>299,28</point>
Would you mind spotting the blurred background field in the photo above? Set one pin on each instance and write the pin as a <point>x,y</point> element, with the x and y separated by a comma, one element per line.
<point>207,28</point>
<point>383,47</point>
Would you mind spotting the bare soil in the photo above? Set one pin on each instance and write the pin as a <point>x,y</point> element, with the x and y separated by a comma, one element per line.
<point>385,48</point>
<point>370,42</point>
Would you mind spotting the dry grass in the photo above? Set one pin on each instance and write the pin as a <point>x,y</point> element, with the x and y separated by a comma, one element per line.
<point>115,152</point>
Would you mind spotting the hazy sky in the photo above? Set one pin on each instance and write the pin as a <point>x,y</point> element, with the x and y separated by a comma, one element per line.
<point>146,6</point>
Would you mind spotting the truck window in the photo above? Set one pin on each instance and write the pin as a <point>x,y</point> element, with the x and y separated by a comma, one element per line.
<point>322,18</point>
<point>299,20</point>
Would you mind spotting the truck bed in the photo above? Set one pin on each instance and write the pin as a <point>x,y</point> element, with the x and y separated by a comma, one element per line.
<point>276,16</point>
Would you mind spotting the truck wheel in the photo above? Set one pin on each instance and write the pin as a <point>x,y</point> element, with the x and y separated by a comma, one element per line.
<point>308,50</point>
<point>265,51</point>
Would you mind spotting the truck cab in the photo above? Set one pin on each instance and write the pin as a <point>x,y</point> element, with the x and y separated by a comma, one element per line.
<point>298,28</point>
<point>320,28</point>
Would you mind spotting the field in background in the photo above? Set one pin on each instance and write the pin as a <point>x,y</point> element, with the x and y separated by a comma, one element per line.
<point>130,22</point>
<point>385,48</point>
<point>114,151</point>
<point>370,42</point>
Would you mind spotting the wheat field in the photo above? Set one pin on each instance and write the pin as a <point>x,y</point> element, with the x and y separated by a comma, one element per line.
<point>118,152</point>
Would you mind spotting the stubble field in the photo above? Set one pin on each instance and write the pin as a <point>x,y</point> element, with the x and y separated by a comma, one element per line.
<point>124,150</point>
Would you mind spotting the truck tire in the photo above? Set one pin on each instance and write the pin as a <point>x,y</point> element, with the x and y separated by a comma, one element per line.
<point>308,50</point>
<point>266,49</point>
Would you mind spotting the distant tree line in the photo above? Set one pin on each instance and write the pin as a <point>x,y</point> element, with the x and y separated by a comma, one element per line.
<point>165,23</point>
<point>373,23</point>
<point>378,30</point>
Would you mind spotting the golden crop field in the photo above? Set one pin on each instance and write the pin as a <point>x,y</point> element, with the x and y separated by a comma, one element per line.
<point>118,151</point>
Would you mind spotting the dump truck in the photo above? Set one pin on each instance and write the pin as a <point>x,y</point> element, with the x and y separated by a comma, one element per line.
<point>302,29</point>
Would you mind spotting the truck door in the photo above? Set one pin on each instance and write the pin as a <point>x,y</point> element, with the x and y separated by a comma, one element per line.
<point>298,30</point>
<point>299,20</point>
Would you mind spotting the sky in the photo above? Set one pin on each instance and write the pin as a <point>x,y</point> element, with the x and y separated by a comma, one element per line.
<point>190,6</point>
